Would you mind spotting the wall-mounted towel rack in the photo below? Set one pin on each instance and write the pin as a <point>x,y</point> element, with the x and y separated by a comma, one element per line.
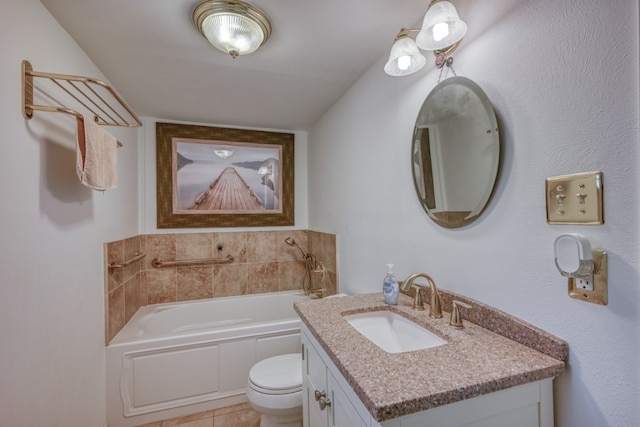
<point>94,95</point>
<point>158,263</point>
<point>137,257</point>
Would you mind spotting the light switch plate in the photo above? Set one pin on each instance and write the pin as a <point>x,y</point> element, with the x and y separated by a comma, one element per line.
<point>575,199</point>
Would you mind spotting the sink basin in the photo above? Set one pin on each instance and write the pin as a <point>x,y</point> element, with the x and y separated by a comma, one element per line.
<point>392,332</point>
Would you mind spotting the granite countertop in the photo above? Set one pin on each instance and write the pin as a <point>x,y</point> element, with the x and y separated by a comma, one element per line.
<point>503,352</point>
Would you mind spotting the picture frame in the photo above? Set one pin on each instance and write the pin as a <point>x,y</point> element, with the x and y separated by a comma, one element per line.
<point>223,177</point>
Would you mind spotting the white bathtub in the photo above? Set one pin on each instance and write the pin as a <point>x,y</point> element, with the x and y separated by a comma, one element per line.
<point>176,359</point>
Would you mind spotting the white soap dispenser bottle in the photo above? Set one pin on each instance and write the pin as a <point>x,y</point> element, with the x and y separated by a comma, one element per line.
<point>390,288</point>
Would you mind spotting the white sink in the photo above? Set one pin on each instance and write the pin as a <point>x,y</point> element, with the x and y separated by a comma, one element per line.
<point>392,332</point>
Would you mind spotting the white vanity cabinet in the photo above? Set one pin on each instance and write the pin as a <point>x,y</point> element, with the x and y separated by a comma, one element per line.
<point>325,401</point>
<point>329,401</point>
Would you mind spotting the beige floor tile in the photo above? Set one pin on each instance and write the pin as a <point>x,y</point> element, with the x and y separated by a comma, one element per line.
<point>184,421</point>
<point>155,424</point>
<point>241,415</point>
<point>234,408</point>
<point>244,418</point>
<point>207,422</point>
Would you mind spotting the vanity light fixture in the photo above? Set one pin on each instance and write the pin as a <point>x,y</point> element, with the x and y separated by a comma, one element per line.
<point>232,26</point>
<point>442,31</point>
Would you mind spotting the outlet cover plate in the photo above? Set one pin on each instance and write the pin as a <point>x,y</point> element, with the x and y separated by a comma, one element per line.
<point>600,292</point>
<point>575,199</point>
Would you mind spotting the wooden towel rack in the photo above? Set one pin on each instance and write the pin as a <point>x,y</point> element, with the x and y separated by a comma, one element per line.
<point>96,96</point>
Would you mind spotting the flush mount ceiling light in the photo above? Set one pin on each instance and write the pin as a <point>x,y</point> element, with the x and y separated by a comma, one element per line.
<point>232,26</point>
<point>442,31</point>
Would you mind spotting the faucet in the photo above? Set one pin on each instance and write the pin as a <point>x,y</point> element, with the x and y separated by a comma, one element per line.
<point>435,305</point>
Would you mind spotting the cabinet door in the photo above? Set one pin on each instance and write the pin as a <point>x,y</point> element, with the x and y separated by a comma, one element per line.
<point>342,414</point>
<point>314,378</point>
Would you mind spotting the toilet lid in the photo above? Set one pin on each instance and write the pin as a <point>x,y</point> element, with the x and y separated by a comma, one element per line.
<point>278,374</point>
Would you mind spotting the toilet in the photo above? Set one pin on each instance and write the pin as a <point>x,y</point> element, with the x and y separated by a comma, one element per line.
<point>274,389</point>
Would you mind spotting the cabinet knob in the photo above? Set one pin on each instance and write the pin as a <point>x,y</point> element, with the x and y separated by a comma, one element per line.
<point>319,395</point>
<point>323,403</point>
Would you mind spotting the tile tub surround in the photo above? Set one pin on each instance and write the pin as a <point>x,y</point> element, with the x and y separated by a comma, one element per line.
<point>475,361</point>
<point>263,263</point>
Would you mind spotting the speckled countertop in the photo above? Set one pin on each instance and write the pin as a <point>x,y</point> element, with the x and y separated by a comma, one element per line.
<point>502,353</point>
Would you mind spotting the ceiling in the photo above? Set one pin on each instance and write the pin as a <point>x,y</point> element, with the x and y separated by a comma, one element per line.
<point>154,56</point>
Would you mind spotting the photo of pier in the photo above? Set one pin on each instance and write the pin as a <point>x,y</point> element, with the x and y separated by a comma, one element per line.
<point>223,177</point>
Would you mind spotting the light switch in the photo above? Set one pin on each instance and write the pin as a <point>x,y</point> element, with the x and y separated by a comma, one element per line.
<point>575,199</point>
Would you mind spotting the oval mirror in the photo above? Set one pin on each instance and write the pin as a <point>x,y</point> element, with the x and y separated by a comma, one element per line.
<point>455,152</point>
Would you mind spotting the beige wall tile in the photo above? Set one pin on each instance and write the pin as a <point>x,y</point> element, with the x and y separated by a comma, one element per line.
<point>289,253</point>
<point>115,255</point>
<point>161,285</point>
<point>116,311</point>
<point>291,275</point>
<point>229,280</point>
<point>131,296</point>
<point>161,246</point>
<point>262,277</point>
<point>234,244</point>
<point>143,288</point>
<point>194,246</point>
<point>132,247</point>
<point>194,283</point>
<point>262,246</point>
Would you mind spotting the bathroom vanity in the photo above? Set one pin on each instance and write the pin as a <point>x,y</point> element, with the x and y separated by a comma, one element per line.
<point>478,378</point>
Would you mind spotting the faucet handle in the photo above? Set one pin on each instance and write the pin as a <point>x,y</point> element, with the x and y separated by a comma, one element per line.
<point>418,304</point>
<point>435,305</point>
<point>456,318</point>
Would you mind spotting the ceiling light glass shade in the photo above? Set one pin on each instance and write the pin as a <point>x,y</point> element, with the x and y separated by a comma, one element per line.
<point>232,26</point>
<point>441,28</point>
<point>405,58</point>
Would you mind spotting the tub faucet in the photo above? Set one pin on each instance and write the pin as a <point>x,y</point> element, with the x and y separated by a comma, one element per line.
<point>435,305</point>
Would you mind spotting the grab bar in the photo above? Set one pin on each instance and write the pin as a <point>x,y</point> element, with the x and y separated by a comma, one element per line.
<point>114,266</point>
<point>158,263</point>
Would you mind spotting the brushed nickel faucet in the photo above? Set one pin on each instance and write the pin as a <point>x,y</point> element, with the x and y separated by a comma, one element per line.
<point>435,305</point>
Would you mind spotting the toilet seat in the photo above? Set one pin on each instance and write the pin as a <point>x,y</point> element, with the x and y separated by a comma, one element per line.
<point>277,375</point>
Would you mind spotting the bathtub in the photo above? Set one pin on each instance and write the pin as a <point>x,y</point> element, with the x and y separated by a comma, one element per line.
<point>176,359</point>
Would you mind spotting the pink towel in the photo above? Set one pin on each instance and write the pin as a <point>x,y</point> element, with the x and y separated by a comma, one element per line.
<point>96,155</point>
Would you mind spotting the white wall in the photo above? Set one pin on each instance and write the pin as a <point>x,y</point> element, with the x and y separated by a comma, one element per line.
<point>52,230</point>
<point>563,78</point>
<point>148,216</point>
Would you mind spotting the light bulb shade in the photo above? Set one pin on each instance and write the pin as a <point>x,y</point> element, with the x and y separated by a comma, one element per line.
<point>405,58</point>
<point>441,28</point>
<point>232,26</point>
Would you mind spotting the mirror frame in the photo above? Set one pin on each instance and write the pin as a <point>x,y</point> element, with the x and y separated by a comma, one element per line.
<point>454,219</point>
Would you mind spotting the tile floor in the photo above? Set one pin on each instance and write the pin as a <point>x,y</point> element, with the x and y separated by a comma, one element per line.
<point>232,416</point>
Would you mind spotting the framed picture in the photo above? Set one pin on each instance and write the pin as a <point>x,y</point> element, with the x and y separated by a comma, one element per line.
<point>223,177</point>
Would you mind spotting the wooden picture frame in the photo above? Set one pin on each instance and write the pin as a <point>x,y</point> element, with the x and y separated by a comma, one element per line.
<point>223,177</point>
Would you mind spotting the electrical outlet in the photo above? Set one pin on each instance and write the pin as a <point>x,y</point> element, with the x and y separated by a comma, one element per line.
<point>585,283</point>
<point>594,288</point>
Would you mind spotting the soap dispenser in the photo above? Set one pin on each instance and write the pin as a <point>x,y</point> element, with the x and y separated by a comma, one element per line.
<point>390,288</point>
